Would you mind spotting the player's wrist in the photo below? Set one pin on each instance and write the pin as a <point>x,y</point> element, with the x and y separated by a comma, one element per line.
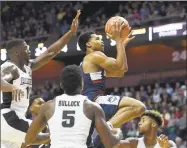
<point>72,32</point>
<point>118,40</point>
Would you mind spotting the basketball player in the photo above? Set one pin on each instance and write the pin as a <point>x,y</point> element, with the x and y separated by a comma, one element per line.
<point>18,72</point>
<point>96,66</point>
<point>149,123</point>
<point>69,116</point>
<point>35,103</point>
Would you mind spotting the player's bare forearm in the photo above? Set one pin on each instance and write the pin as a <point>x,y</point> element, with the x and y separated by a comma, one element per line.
<point>55,48</point>
<point>42,138</point>
<point>5,86</point>
<point>121,59</point>
<point>52,51</point>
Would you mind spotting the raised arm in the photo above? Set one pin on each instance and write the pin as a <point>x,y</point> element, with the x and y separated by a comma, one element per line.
<point>120,63</point>
<point>55,48</point>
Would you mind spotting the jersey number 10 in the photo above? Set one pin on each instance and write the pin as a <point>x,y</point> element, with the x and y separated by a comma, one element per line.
<point>68,118</point>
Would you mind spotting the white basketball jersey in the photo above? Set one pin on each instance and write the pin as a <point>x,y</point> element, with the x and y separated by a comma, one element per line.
<point>24,82</point>
<point>69,127</point>
<point>141,143</point>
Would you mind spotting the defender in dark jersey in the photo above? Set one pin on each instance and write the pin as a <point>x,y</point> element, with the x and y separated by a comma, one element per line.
<point>96,66</point>
<point>17,72</point>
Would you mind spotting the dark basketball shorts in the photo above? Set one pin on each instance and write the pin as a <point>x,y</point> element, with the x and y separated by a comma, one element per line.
<point>109,104</point>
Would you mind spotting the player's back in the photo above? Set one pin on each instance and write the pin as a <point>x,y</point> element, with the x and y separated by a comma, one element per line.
<point>69,127</point>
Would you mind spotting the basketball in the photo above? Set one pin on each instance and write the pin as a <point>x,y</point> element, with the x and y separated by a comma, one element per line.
<point>111,23</point>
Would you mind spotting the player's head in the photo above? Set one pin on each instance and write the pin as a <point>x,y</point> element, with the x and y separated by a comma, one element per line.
<point>18,49</point>
<point>90,41</point>
<point>150,120</point>
<point>71,80</point>
<point>35,103</point>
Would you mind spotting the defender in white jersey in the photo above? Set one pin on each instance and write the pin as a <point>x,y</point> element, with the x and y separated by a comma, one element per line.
<point>17,74</point>
<point>149,123</point>
<point>69,116</point>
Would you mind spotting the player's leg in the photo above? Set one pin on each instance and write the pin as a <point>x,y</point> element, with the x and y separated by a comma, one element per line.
<point>14,129</point>
<point>119,110</point>
<point>128,109</point>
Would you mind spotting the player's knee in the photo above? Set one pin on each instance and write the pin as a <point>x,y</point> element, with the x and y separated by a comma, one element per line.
<point>140,108</point>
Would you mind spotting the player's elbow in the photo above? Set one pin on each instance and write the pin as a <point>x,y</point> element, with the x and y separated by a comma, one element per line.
<point>124,69</point>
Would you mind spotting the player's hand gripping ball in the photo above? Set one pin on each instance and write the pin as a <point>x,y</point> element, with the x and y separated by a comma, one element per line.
<point>111,23</point>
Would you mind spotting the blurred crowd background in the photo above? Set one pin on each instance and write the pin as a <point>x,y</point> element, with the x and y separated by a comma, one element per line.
<point>42,18</point>
<point>30,20</point>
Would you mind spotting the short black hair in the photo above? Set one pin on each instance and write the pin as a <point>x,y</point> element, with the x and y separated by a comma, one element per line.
<point>13,43</point>
<point>155,115</point>
<point>71,80</point>
<point>83,39</point>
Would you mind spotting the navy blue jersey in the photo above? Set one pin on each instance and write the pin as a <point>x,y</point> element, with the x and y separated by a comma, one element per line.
<point>93,84</point>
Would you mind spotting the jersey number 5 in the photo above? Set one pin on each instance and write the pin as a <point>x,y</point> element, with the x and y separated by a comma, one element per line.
<point>68,118</point>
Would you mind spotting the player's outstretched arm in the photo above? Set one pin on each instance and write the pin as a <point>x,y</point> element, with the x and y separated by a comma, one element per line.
<point>55,48</point>
<point>39,123</point>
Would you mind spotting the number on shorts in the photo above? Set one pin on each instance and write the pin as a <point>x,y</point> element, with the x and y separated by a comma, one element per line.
<point>68,118</point>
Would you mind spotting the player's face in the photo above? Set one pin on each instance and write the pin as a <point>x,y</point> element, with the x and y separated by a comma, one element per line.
<point>25,52</point>
<point>36,105</point>
<point>96,42</point>
<point>145,124</point>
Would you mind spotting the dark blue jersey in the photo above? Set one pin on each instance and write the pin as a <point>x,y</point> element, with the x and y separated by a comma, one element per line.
<point>93,84</point>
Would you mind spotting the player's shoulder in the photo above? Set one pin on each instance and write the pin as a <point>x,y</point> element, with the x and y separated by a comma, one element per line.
<point>8,66</point>
<point>91,109</point>
<point>91,104</point>
<point>47,104</point>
